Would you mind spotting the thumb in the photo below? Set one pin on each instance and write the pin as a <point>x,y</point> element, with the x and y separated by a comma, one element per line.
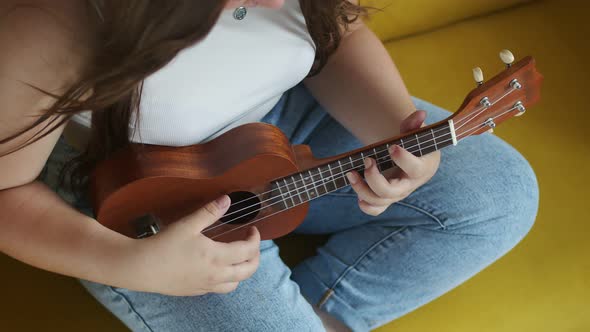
<point>412,122</point>
<point>208,214</point>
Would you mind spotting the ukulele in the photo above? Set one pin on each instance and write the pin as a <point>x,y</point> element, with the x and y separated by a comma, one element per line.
<point>142,188</point>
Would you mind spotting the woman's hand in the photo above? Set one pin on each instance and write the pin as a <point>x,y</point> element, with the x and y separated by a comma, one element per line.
<point>183,262</point>
<point>380,191</point>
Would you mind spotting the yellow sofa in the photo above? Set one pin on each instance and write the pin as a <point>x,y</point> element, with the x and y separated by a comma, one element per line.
<point>544,283</point>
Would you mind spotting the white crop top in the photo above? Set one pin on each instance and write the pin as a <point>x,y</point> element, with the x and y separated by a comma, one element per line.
<point>232,77</point>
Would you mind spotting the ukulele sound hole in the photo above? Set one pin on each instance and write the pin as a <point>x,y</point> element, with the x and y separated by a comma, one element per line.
<point>244,208</point>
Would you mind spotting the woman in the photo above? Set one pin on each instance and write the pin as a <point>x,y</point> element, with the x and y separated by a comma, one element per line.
<point>183,72</point>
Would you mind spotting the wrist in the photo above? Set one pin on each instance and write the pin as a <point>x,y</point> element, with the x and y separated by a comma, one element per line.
<point>113,259</point>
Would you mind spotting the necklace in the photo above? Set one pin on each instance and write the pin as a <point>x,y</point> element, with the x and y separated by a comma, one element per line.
<point>240,13</point>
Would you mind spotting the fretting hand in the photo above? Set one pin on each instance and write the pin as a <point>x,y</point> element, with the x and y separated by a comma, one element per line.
<point>381,190</point>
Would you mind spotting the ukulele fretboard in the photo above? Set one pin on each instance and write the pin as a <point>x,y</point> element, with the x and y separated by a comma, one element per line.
<point>310,184</point>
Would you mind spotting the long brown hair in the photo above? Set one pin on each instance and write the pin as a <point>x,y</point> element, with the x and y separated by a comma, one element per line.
<point>135,38</point>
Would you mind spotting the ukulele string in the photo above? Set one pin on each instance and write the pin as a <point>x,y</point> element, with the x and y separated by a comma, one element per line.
<point>296,182</point>
<point>260,219</point>
<point>337,176</point>
<point>459,137</point>
<point>325,180</point>
<point>483,108</point>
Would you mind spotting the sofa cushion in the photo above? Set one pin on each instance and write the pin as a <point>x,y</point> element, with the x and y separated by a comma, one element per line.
<point>543,284</point>
<point>399,18</point>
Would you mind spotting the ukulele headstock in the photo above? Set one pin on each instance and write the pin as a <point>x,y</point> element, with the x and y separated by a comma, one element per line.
<point>506,95</point>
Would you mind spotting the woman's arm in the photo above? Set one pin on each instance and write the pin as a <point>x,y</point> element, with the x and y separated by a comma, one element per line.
<point>40,229</point>
<point>361,87</point>
<point>37,227</point>
<point>363,90</point>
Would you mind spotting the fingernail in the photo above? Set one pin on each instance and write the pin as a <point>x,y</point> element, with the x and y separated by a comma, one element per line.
<point>392,149</point>
<point>222,201</point>
<point>351,178</point>
<point>368,163</point>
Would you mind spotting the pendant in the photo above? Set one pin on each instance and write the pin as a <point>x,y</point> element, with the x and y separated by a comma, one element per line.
<point>240,13</point>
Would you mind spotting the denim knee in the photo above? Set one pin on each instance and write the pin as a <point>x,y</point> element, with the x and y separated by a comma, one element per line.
<point>510,199</point>
<point>521,200</point>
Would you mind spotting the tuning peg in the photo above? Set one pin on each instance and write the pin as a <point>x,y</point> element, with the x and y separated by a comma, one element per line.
<point>507,57</point>
<point>478,75</point>
<point>520,107</point>
<point>491,131</point>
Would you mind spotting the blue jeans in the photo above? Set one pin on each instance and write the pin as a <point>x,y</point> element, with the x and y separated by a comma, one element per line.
<point>373,269</point>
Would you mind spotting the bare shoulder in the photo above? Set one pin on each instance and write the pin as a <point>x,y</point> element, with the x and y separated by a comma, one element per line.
<point>42,37</point>
<point>43,44</point>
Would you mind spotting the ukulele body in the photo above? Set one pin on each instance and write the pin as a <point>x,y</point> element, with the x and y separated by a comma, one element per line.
<point>143,188</point>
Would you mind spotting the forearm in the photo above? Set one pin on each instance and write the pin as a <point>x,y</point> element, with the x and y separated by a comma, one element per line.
<point>40,229</point>
<point>362,89</point>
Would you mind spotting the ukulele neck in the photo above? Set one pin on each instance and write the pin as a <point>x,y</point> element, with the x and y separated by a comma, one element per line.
<point>313,183</point>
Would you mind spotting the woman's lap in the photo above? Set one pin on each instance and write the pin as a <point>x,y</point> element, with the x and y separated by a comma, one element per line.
<point>481,202</point>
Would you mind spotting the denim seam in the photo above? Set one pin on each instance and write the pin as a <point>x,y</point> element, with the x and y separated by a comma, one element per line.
<point>332,290</point>
<point>342,194</point>
<point>358,260</point>
<point>411,206</point>
<point>132,308</point>
<point>423,211</point>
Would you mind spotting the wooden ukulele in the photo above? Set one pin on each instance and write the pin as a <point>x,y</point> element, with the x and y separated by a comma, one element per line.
<point>142,188</point>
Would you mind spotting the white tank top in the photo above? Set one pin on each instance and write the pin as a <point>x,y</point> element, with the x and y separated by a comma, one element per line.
<point>232,77</point>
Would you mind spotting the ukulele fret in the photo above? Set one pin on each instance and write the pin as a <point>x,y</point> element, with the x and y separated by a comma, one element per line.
<point>304,187</point>
<point>418,142</point>
<point>342,173</point>
<point>296,189</point>
<point>433,138</point>
<point>282,195</point>
<point>289,192</point>
<point>377,159</point>
<point>314,193</point>
<point>323,180</point>
<point>351,162</point>
<point>333,177</point>
<point>363,162</point>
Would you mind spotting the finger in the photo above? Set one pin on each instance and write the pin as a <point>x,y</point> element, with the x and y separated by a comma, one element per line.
<point>363,191</point>
<point>376,181</point>
<point>402,186</point>
<point>370,209</point>
<point>240,272</point>
<point>239,251</point>
<point>410,164</point>
<point>225,288</point>
<point>412,122</point>
<point>208,214</point>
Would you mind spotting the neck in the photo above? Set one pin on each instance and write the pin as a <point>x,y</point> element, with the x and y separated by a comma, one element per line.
<point>313,183</point>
